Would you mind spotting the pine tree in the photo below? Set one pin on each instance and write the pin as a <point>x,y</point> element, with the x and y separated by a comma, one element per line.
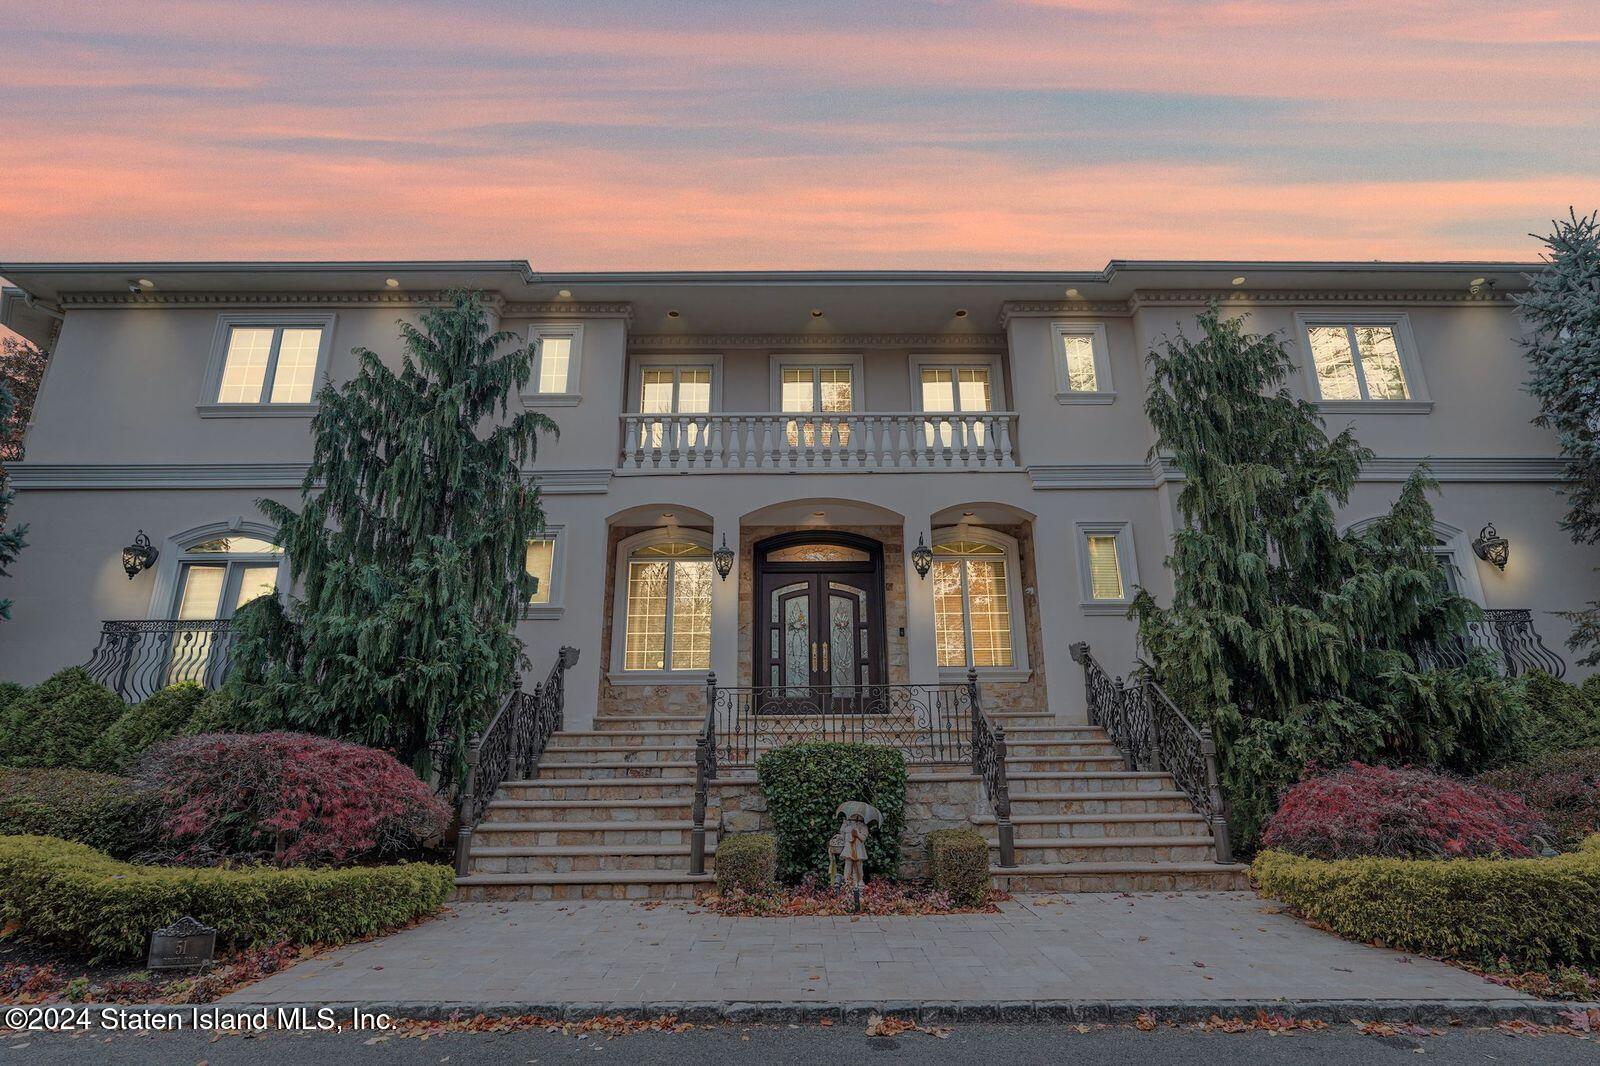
<point>409,548</point>
<point>11,540</point>
<point>1562,311</point>
<point>1293,641</point>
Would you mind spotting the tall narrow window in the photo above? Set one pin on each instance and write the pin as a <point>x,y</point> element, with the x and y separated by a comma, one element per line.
<point>1105,573</point>
<point>1078,354</point>
<point>1355,361</point>
<point>1083,363</point>
<point>557,362</point>
<point>1106,567</point>
<point>817,390</point>
<point>972,604</point>
<point>668,609</point>
<point>540,565</point>
<point>270,364</point>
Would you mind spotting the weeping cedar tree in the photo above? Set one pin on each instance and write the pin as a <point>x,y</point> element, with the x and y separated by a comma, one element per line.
<point>11,540</point>
<point>410,543</point>
<point>1291,640</point>
<point>1562,311</point>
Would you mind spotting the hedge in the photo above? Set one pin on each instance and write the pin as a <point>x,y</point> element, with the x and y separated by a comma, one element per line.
<point>80,898</point>
<point>117,815</point>
<point>958,863</point>
<point>154,719</point>
<point>804,785</point>
<point>1536,913</point>
<point>747,862</point>
<point>56,722</point>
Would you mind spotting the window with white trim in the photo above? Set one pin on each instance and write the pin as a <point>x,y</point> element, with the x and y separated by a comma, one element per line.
<point>216,576</point>
<point>974,600</point>
<point>270,364</point>
<point>816,390</point>
<point>1357,362</point>
<point>673,390</point>
<point>955,389</point>
<point>1106,566</point>
<point>667,607</point>
<point>1083,362</point>
<point>543,562</point>
<point>557,363</point>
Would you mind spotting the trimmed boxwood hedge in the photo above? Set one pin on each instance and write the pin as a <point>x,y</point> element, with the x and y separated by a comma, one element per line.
<point>1535,912</point>
<point>804,785</point>
<point>958,865</point>
<point>747,862</point>
<point>117,815</point>
<point>80,898</point>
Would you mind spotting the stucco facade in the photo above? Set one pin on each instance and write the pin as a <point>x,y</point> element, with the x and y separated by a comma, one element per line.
<point>128,434</point>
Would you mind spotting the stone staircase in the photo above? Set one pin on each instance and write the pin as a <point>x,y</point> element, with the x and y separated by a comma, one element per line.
<point>609,816</point>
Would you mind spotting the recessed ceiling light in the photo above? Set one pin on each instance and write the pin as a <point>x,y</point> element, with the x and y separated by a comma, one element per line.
<point>1073,294</point>
<point>565,294</point>
<point>816,312</point>
<point>146,283</point>
<point>1476,284</point>
<point>669,515</point>
<point>673,314</point>
<point>818,514</point>
<point>968,514</point>
<point>393,283</point>
<point>961,312</point>
<point>1239,280</point>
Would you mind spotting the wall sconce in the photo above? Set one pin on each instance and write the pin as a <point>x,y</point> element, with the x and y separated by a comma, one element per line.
<point>140,555</point>
<point>1491,547</point>
<point>922,557</point>
<point>722,559</point>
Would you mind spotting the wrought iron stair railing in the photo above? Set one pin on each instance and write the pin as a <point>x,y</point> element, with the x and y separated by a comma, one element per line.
<point>508,748</point>
<point>1153,734</point>
<point>136,658</point>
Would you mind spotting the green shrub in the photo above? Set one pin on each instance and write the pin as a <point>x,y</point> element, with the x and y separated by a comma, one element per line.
<point>1560,716</point>
<point>56,722</point>
<point>117,815</point>
<point>218,711</point>
<point>958,863</point>
<point>1535,912</point>
<point>1562,787</point>
<point>9,691</point>
<point>72,895</point>
<point>143,724</point>
<point>804,785</point>
<point>748,862</point>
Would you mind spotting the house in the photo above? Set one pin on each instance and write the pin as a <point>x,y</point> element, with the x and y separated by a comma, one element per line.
<point>914,474</point>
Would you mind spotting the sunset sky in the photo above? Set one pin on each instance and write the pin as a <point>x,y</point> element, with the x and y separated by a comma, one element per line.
<point>854,134</point>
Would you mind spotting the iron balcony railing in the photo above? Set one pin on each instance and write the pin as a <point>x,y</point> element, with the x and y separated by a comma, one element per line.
<point>1153,734</point>
<point>1508,635</point>
<point>508,748</point>
<point>137,658</point>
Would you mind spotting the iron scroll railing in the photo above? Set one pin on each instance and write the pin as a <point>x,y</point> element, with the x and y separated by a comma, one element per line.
<point>1153,734</point>
<point>137,658</point>
<point>509,747</point>
<point>1507,634</point>
<point>933,725</point>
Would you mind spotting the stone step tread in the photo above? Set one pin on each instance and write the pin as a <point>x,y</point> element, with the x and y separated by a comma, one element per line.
<point>621,764</point>
<point>582,827</point>
<point>1076,774</point>
<point>1083,797</point>
<point>1047,868</point>
<point>505,851</point>
<point>615,782</point>
<point>743,776</point>
<point>564,750</point>
<point>1090,819</point>
<point>1110,842</point>
<point>612,732</point>
<point>599,804</point>
<point>591,877</point>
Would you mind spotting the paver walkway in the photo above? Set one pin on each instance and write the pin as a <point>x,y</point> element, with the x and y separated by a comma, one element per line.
<point>1223,946</point>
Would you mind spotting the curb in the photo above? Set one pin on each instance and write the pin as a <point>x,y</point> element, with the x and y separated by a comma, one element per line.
<point>930,1012</point>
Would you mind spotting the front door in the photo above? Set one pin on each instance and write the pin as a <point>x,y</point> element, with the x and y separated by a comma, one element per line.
<point>820,603</point>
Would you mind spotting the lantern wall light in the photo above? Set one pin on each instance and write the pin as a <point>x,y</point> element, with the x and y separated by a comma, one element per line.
<point>140,555</point>
<point>722,559</point>
<point>922,557</point>
<point>1491,547</point>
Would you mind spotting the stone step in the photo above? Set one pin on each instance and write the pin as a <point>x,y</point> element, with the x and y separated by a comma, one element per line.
<point>509,833</point>
<point>584,859</point>
<point>1122,877</point>
<point>600,756</point>
<point>610,739</point>
<point>602,810</point>
<point>648,723</point>
<point>615,769</point>
<point>609,789</point>
<point>1101,802</point>
<point>1026,781</point>
<point>1161,826</point>
<point>615,884</point>
<point>1053,851</point>
<point>1062,763</point>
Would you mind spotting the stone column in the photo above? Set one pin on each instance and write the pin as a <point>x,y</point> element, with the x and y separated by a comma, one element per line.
<point>922,662</point>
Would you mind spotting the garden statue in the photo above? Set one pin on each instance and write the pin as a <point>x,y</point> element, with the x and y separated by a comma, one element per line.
<point>852,840</point>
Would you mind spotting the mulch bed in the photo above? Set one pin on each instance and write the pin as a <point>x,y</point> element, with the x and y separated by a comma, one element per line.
<point>813,900</point>
<point>34,972</point>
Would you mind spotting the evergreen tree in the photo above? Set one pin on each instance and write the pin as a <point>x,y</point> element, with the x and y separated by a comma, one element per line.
<point>409,547</point>
<point>11,540</point>
<point>1293,641</point>
<point>1562,312</point>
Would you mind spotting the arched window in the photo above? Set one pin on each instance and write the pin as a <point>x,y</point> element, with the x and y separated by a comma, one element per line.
<point>975,599</point>
<point>665,590</point>
<point>1457,564</point>
<point>220,574</point>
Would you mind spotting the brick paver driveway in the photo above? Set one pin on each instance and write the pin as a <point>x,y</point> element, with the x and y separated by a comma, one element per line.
<point>1223,946</point>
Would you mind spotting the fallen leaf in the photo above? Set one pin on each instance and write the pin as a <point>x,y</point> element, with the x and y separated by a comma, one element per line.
<point>1145,1022</point>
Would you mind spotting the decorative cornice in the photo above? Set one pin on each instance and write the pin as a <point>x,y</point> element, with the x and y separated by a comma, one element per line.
<point>671,342</point>
<point>1161,471</point>
<point>37,477</point>
<point>1063,309</point>
<point>264,299</point>
<point>1313,298</point>
<point>568,309</point>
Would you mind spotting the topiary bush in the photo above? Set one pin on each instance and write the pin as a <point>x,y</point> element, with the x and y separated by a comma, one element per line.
<point>804,785</point>
<point>157,718</point>
<point>1560,716</point>
<point>75,896</point>
<point>1563,788</point>
<point>958,863</point>
<point>1378,810</point>
<point>747,862</point>
<point>288,797</point>
<point>117,815</point>
<point>56,722</point>
<point>1535,913</point>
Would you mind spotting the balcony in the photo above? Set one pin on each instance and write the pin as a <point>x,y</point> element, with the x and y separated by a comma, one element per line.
<point>138,658</point>
<point>1508,635</point>
<point>855,442</point>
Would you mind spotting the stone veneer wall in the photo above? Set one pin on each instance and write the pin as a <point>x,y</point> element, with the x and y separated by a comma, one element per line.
<point>635,699</point>
<point>894,593</point>
<point>944,803</point>
<point>1029,695</point>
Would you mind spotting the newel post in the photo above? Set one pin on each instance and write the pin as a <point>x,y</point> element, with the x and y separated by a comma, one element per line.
<point>1152,707</point>
<point>702,767</point>
<point>468,815</point>
<point>1219,805</point>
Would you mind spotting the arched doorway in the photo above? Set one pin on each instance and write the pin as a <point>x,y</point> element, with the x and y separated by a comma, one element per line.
<point>819,632</point>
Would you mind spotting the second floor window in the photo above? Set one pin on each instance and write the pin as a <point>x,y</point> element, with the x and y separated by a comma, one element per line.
<point>959,389</point>
<point>1357,362</point>
<point>817,390</point>
<point>666,390</point>
<point>270,364</point>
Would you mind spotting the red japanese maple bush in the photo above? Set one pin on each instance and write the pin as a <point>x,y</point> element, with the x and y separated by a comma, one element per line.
<point>288,797</point>
<point>1400,813</point>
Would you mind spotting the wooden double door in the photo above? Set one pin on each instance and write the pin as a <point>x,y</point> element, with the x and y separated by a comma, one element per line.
<point>819,608</point>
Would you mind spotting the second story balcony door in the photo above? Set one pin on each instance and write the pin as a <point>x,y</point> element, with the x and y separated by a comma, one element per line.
<point>819,610</point>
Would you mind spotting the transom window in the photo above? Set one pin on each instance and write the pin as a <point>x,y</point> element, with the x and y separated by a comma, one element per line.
<point>668,607</point>
<point>972,604</point>
<point>1357,361</point>
<point>270,364</point>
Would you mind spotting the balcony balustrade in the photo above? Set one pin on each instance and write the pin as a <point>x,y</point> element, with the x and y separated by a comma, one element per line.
<point>855,441</point>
